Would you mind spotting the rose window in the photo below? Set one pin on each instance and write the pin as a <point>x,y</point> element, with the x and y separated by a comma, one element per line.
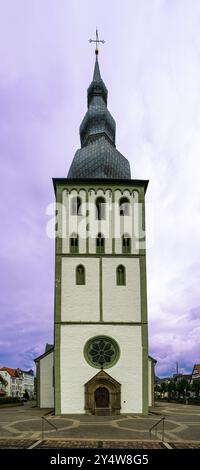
<point>101,352</point>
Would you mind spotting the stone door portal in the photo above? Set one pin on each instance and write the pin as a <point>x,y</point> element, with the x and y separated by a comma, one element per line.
<point>102,395</point>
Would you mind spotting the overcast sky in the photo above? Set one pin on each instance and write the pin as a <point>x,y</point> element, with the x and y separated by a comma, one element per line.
<point>150,64</point>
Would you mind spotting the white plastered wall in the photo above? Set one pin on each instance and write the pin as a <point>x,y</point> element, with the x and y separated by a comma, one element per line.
<point>112,227</point>
<point>46,381</point>
<point>75,371</point>
<point>121,303</point>
<point>73,223</point>
<point>150,385</point>
<point>80,302</point>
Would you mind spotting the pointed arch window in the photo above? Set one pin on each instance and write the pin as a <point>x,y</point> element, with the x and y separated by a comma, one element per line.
<point>76,205</point>
<point>80,275</point>
<point>100,208</point>
<point>121,275</point>
<point>124,206</point>
<point>74,243</point>
<point>126,243</point>
<point>100,243</point>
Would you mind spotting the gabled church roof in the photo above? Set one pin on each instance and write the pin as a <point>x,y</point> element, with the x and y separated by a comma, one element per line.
<point>98,156</point>
<point>47,351</point>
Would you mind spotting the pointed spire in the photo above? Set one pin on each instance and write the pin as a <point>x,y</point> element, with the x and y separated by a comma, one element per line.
<point>98,156</point>
<point>97,121</point>
<point>96,75</point>
<point>97,86</point>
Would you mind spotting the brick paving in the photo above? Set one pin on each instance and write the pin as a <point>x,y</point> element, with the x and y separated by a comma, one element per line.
<point>16,443</point>
<point>51,444</point>
<point>89,444</point>
<point>185,445</point>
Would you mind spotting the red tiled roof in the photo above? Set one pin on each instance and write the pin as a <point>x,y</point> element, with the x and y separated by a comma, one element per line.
<point>12,372</point>
<point>197,367</point>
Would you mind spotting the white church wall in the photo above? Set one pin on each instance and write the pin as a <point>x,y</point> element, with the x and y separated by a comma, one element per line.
<point>46,381</point>
<point>80,302</point>
<point>101,226</point>
<point>126,224</point>
<point>71,222</point>
<point>150,384</point>
<point>75,371</point>
<point>121,303</point>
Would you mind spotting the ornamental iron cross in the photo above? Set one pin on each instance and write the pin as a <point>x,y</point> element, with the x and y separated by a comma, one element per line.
<point>97,40</point>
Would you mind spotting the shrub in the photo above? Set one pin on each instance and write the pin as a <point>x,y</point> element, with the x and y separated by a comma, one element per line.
<point>4,400</point>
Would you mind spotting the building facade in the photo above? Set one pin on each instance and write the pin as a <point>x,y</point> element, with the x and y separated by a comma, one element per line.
<point>18,381</point>
<point>27,382</point>
<point>195,372</point>
<point>99,363</point>
<point>3,385</point>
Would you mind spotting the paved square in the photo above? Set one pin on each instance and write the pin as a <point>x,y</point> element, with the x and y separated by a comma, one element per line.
<point>24,427</point>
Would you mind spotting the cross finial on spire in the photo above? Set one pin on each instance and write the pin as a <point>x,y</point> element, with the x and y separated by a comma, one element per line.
<point>97,40</point>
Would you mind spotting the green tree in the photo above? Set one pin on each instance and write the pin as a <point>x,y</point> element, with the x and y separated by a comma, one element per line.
<point>171,389</point>
<point>182,387</point>
<point>4,382</point>
<point>163,388</point>
<point>157,390</point>
<point>195,387</point>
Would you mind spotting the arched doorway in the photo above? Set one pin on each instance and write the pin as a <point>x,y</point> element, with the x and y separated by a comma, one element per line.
<point>101,397</point>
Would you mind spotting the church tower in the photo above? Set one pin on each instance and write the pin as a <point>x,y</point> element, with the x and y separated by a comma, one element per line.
<point>101,360</point>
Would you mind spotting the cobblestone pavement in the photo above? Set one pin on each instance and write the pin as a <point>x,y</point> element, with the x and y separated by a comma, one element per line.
<point>101,444</point>
<point>89,444</point>
<point>15,443</point>
<point>22,427</point>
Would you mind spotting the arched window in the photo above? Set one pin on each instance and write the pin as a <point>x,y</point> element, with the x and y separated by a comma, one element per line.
<point>80,274</point>
<point>100,243</point>
<point>121,275</point>
<point>76,206</point>
<point>126,243</point>
<point>100,208</point>
<point>74,243</point>
<point>124,206</point>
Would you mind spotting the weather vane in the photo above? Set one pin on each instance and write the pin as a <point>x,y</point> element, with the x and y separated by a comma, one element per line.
<point>97,40</point>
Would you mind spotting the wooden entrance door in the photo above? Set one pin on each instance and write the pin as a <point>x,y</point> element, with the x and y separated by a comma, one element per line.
<point>101,397</point>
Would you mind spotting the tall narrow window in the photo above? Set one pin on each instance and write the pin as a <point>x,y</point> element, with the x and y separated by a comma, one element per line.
<point>126,243</point>
<point>100,208</point>
<point>124,206</point>
<point>121,275</point>
<point>100,243</point>
<point>76,206</point>
<point>74,243</point>
<point>80,275</point>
